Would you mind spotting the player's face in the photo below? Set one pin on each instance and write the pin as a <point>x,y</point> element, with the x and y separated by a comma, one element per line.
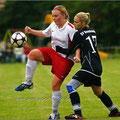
<point>57,17</point>
<point>77,23</point>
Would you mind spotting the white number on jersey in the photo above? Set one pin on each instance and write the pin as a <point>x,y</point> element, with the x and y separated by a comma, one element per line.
<point>91,40</point>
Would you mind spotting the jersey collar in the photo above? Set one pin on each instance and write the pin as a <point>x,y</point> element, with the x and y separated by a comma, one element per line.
<point>63,26</point>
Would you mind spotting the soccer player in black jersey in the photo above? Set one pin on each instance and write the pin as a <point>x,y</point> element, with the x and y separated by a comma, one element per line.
<point>84,44</point>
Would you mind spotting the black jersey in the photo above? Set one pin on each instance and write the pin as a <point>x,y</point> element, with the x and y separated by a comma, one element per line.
<point>86,40</point>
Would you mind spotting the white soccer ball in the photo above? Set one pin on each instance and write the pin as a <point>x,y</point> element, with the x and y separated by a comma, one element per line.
<point>18,39</point>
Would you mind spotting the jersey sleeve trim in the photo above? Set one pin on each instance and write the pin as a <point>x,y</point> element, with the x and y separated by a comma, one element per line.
<point>71,25</point>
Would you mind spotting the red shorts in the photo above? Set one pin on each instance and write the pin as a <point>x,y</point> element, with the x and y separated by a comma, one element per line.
<point>60,66</point>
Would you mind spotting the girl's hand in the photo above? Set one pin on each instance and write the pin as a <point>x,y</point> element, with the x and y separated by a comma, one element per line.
<point>77,59</point>
<point>28,30</point>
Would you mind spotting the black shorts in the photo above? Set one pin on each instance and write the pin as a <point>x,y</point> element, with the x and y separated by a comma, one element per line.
<point>87,78</point>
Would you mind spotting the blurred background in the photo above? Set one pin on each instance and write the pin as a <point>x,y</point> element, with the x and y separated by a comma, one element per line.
<point>15,15</point>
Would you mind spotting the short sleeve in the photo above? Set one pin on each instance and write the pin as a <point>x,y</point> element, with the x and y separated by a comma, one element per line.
<point>71,33</point>
<point>47,31</point>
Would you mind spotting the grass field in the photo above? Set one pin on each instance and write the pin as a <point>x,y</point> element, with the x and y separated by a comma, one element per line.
<point>36,103</point>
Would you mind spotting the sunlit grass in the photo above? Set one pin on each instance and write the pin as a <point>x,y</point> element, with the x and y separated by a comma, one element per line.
<point>36,103</point>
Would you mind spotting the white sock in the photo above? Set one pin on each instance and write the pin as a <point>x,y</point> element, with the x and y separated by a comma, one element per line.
<point>56,98</point>
<point>112,107</point>
<point>30,68</point>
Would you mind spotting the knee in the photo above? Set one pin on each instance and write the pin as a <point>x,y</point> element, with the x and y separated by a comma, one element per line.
<point>70,89</point>
<point>32,55</point>
<point>36,55</point>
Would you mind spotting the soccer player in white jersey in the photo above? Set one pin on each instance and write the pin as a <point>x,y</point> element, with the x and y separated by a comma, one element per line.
<point>61,32</point>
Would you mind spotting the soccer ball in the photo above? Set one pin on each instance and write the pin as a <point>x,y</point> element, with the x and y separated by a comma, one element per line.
<point>18,39</point>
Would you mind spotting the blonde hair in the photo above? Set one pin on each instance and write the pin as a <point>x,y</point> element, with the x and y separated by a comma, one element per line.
<point>63,10</point>
<point>84,17</point>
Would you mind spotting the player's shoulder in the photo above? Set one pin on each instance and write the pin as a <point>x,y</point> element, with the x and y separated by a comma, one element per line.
<point>77,33</point>
<point>89,30</point>
<point>86,30</point>
<point>70,25</point>
<point>52,24</point>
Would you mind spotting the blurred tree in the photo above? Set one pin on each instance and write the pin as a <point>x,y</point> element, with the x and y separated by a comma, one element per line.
<point>18,14</point>
<point>104,16</point>
<point>104,19</point>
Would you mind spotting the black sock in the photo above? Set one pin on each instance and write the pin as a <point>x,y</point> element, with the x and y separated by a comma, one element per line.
<point>107,102</point>
<point>75,99</point>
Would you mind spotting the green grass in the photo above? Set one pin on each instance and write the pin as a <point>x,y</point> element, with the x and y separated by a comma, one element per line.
<point>36,103</point>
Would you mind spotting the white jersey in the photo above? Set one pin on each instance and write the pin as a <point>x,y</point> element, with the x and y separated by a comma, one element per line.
<point>60,36</point>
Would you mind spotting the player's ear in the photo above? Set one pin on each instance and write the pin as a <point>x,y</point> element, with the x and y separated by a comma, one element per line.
<point>64,15</point>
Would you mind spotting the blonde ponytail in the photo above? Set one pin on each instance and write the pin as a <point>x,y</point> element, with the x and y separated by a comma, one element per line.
<point>84,17</point>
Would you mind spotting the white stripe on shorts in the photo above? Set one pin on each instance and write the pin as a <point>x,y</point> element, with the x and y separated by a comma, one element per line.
<point>90,72</point>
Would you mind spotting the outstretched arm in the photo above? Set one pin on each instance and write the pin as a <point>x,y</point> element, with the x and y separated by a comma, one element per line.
<point>38,33</point>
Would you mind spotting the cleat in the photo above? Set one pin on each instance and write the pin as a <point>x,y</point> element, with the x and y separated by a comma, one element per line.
<point>54,116</point>
<point>74,116</point>
<point>114,114</point>
<point>24,86</point>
